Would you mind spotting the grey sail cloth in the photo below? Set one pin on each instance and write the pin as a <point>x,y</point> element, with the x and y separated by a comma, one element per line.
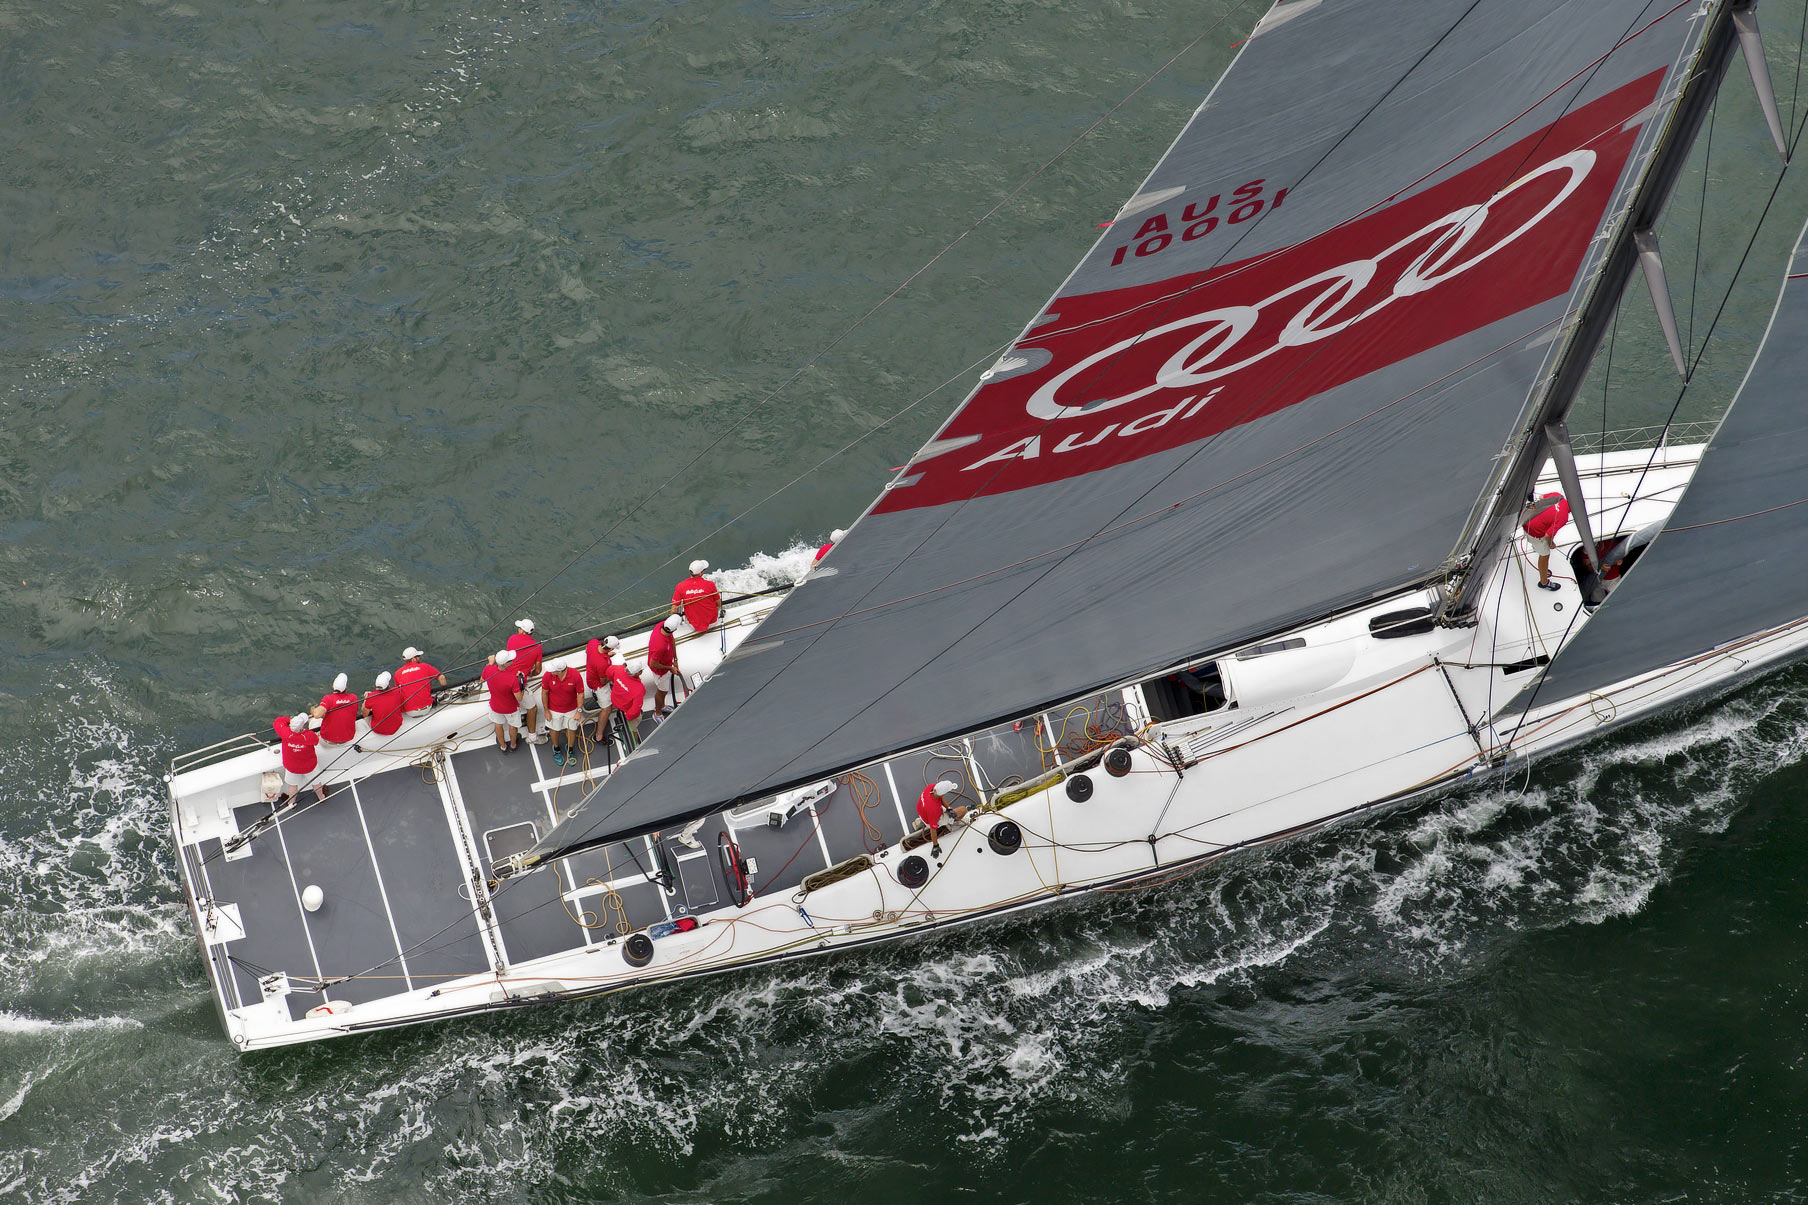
<point>1729,560</point>
<point>1273,388</point>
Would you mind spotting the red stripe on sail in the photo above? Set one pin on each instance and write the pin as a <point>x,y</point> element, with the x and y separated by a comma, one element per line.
<point>1137,371</point>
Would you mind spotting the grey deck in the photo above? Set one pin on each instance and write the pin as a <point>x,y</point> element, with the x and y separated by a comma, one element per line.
<point>398,914</point>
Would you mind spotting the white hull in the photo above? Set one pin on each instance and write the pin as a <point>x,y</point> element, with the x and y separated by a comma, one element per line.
<point>1345,724</point>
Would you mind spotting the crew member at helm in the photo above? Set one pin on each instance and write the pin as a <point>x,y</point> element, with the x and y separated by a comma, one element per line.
<point>697,599</point>
<point>1542,520</point>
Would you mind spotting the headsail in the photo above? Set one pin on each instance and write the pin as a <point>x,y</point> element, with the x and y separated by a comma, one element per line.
<point>1272,389</point>
<point>1728,563</point>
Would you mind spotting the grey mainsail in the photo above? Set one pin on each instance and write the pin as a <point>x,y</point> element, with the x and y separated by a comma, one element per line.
<point>1728,562</point>
<point>1272,389</point>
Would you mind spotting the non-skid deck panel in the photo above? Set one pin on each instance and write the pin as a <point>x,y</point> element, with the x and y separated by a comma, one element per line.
<point>1011,752</point>
<point>633,905</point>
<point>498,790</point>
<point>275,937</point>
<point>422,873</point>
<point>839,818</point>
<point>351,934</point>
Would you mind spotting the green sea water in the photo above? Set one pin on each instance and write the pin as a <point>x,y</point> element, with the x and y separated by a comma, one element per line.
<point>327,329</point>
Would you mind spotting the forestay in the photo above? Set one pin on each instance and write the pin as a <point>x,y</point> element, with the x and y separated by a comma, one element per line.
<point>1273,388</point>
<point>1728,563</point>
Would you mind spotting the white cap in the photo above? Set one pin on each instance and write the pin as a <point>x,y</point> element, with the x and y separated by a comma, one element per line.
<point>671,623</point>
<point>611,643</point>
<point>504,656</point>
<point>383,680</point>
<point>838,535</point>
<point>410,653</point>
<point>340,681</point>
<point>312,897</point>
<point>634,667</point>
<point>699,566</point>
<point>945,788</point>
<point>299,721</point>
<point>526,625</point>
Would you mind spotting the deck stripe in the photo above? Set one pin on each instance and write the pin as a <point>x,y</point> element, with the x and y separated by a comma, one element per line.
<point>382,892</point>
<point>307,930</point>
<point>897,800</point>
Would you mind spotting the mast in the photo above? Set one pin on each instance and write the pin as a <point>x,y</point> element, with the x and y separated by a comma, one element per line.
<point>1542,429</point>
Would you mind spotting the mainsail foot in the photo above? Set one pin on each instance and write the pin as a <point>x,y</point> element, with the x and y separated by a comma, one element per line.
<point>1751,45</point>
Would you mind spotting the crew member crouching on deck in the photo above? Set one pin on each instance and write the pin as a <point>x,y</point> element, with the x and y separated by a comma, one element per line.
<point>299,756</point>
<point>931,805</point>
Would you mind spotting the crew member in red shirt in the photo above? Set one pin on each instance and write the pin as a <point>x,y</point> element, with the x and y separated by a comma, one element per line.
<point>599,658</point>
<point>416,678</point>
<point>835,537</point>
<point>697,599</point>
<point>299,759</point>
<point>626,694</point>
<point>504,681</point>
<point>662,662</point>
<point>563,690</point>
<point>1543,519</point>
<point>932,804</point>
<point>338,714</point>
<point>527,659</point>
<point>383,707</point>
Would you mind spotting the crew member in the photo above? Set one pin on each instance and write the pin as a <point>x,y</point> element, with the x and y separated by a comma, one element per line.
<point>1542,520</point>
<point>563,690</point>
<point>931,805</point>
<point>662,662</point>
<point>504,682</point>
<point>599,658</point>
<point>527,659</point>
<point>697,599</point>
<point>626,694</point>
<point>383,707</point>
<point>416,678</point>
<point>338,714</point>
<point>835,537</point>
<point>299,756</point>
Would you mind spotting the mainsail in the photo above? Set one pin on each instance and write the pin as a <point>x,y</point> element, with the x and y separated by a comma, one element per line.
<point>1272,389</point>
<point>1728,562</point>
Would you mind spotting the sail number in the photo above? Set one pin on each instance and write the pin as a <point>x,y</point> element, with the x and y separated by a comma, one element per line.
<point>1197,220</point>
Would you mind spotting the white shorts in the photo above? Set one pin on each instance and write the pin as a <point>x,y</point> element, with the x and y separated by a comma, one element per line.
<point>1540,545</point>
<point>562,721</point>
<point>662,682</point>
<point>508,719</point>
<point>292,779</point>
<point>530,698</point>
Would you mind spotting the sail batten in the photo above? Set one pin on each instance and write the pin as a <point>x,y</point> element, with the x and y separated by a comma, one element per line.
<point>1268,392</point>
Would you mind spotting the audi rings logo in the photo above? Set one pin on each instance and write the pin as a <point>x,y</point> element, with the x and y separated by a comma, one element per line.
<point>1450,246</point>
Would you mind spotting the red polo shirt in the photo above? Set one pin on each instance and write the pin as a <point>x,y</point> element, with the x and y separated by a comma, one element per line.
<point>504,683</point>
<point>596,664</point>
<point>563,689</point>
<point>527,652</point>
<point>626,692</point>
<point>298,756</point>
<point>416,680</point>
<point>340,723</point>
<point>929,806</point>
<point>662,651</point>
<point>822,552</point>
<point>698,600</point>
<point>385,710</point>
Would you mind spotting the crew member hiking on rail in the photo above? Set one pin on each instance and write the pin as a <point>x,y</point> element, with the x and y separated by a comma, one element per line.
<point>416,678</point>
<point>697,599</point>
<point>338,712</point>
<point>505,684</point>
<point>662,663</point>
<point>527,659</point>
<point>835,537</point>
<point>1543,519</point>
<point>299,755</point>
<point>383,707</point>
